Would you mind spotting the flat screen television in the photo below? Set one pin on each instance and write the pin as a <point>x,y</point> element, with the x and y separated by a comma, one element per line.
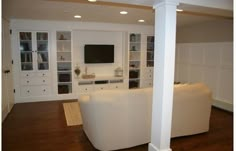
<point>98,53</point>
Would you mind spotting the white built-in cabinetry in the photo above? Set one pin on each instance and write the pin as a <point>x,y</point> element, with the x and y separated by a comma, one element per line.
<point>64,62</point>
<point>33,53</point>
<point>46,53</point>
<point>148,61</point>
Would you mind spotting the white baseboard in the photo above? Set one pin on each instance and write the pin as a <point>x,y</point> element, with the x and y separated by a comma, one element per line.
<point>152,147</point>
<point>223,105</point>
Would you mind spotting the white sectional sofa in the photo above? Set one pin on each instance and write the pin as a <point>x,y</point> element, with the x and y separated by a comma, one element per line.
<point>117,119</point>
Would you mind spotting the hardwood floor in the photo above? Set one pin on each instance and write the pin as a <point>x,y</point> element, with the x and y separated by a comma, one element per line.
<point>42,127</point>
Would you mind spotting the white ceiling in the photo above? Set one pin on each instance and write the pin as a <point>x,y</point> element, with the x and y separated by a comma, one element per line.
<point>64,11</point>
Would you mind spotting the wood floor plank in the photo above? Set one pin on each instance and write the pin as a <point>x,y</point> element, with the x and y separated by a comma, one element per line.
<point>42,127</point>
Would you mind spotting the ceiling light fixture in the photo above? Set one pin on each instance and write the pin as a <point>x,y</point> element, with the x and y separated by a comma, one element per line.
<point>141,20</point>
<point>92,0</point>
<point>123,12</point>
<point>179,10</point>
<point>77,16</point>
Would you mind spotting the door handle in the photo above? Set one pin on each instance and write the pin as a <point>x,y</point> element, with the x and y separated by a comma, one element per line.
<point>7,71</point>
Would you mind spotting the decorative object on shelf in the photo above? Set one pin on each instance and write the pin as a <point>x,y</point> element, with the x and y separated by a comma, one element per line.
<point>133,48</point>
<point>88,76</point>
<point>77,70</point>
<point>132,38</point>
<point>62,37</point>
<point>118,72</point>
<point>62,58</point>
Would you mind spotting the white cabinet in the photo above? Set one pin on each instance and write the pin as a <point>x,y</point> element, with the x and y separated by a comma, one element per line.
<point>148,61</point>
<point>86,86</point>
<point>34,74</point>
<point>64,62</point>
<point>147,77</point>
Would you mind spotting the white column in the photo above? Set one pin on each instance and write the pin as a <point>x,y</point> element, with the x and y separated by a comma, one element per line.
<point>165,31</point>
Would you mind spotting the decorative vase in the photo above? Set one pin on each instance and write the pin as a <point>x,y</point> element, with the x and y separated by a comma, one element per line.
<point>77,71</point>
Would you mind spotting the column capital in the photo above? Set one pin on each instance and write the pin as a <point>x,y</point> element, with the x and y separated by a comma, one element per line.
<point>158,3</point>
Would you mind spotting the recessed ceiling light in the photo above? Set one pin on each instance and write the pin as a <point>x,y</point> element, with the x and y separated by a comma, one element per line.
<point>92,0</point>
<point>123,12</point>
<point>77,16</point>
<point>179,10</point>
<point>141,20</point>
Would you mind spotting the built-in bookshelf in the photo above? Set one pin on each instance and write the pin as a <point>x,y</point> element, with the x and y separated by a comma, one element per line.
<point>150,51</point>
<point>64,62</point>
<point>134,60</point>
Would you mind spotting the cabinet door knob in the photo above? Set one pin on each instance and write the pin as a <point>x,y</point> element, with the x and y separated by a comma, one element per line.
<point>44,90</point>
<point>43,80</point>
<point>28,91</point>
<point>27,81</point>
<point>27,75</point>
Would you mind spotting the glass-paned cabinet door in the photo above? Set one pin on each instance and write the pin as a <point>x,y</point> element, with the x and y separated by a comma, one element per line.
<point>150,51</point>
<point>42,50</point>
<point>26,52</point>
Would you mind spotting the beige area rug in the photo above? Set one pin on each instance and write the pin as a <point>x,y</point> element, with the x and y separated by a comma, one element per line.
<point>72,113</point>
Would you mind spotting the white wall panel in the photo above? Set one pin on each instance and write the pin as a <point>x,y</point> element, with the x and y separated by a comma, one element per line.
<point>210,78</point>
<point>212,55</point>
<point>210,63</point>
<point>195,74</point>
<point>225,91</point>
<point>183,70</point>
<point>183,54</point>
<point>196,54</point>
<point>227,54</point>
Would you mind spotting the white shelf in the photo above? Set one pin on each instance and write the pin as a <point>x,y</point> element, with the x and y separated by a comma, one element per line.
<point>62,83</point>
<point>63,40</point>
<point>67,71</point>
<point>63,61</point>
<point>134,79</point>
<point>132,69</point>
<point>134,61</point>
<point>63,51</point>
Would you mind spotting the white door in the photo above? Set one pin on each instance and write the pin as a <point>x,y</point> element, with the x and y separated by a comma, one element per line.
<point>7,76</point>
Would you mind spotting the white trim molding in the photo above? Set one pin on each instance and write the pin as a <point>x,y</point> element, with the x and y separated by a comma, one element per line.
<point>223,105</point>
<point>152,147</point>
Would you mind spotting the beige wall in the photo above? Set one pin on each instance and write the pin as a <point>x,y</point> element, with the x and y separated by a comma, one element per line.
<point>213,31</point>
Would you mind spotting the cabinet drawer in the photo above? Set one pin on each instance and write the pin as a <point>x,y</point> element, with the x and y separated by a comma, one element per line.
<point>43,74</point>
<point>148,70</point>
<point>117,86</point>
<point>30,91</point>
<point>35,81</point>
<point>147,83</point>
<point>85,89</point>
<point>27,74</point>
<point>101,87</point>
<point>148,76</point>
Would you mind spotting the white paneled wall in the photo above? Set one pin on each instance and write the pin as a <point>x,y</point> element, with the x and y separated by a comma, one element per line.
<point>210,63</point>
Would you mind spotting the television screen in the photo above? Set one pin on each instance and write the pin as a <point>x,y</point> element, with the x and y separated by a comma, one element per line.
<point>98,53</point>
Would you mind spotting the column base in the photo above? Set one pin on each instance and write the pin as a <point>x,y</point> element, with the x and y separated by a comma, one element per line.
<point>152,147</point>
